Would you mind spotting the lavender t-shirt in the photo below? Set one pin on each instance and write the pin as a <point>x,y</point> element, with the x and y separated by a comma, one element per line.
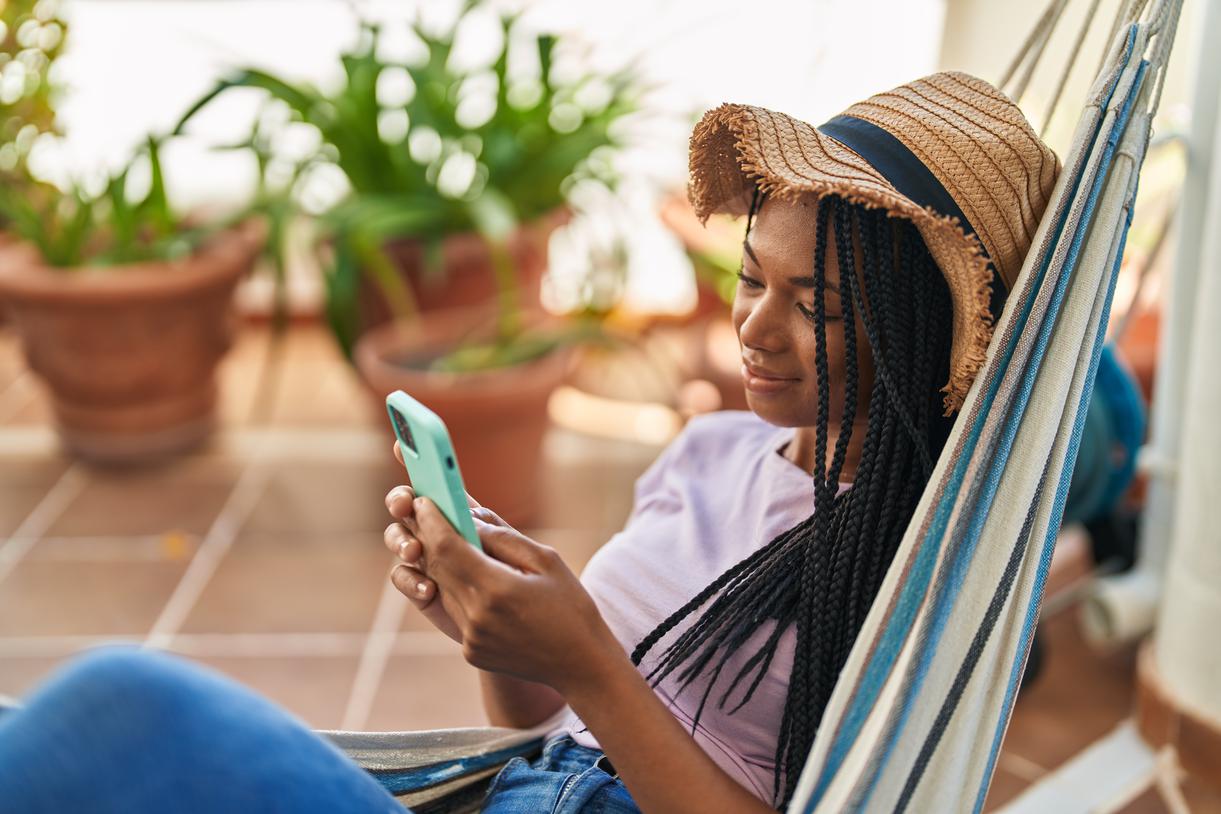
<point>721,490</point>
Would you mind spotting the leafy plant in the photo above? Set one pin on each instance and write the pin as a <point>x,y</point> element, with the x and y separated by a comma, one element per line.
<point>73,228</point>
<point>460,150</point>
<point>31,39</point>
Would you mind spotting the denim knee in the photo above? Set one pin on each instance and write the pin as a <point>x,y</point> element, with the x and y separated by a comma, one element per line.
<point>116,676</point>
<point>121,670</point>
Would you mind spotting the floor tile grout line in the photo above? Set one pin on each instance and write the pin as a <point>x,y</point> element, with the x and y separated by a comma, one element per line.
<point>41,517</point>
<point>378,648</point>
<point>1025,768</point>
<point>11,401</point>
<point>216,543</point>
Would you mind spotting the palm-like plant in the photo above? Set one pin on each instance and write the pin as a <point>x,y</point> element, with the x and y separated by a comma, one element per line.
<point>75,228</point>
<point>464,150</point>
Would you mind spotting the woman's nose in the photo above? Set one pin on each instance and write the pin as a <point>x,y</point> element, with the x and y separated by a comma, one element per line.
<point>760,325</point>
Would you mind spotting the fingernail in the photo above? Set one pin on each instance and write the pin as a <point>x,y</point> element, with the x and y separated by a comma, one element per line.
<point>421,588</point>
<point>403,550</point>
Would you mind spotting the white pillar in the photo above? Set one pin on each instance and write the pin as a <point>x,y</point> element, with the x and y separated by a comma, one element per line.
<point>1122,608</point>
<point>1187,643</point>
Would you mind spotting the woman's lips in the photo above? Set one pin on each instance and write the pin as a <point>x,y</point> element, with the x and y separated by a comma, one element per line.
<point>764,385</point>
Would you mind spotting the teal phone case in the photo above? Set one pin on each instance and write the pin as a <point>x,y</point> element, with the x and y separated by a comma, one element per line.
<point>431,463</point>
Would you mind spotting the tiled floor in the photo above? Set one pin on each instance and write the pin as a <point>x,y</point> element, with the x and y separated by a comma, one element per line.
<point>261,557</point>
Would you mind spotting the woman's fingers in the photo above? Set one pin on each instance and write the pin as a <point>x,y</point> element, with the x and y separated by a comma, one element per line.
<point>398,453</point>
<point>415,586</point>
<point>403,544</point>
<point>448,553</point>
<point>399,502</point>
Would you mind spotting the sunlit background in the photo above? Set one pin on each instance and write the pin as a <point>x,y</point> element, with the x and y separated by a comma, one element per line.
<point>207,475</point>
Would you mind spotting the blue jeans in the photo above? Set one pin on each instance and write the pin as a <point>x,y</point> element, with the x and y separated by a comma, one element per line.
<point>120,729</point>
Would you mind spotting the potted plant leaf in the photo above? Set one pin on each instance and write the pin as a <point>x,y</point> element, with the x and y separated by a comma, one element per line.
<point>432,261</point>
<point>123,307</point>
<point>31,39</point>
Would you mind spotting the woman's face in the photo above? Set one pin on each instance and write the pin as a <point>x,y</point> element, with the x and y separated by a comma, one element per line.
<point>773,316</point>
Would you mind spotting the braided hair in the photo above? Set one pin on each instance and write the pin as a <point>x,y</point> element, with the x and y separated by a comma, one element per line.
<point>822,575</point>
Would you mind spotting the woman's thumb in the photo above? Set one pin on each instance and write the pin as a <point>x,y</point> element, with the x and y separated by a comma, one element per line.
<point>513,548</point>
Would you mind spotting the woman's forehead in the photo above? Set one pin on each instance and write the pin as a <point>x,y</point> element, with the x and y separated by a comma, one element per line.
<point>783,236</point>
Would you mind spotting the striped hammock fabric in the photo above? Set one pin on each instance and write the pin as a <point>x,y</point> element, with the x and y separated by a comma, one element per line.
<point>917,718</point>
<point>919,712</point>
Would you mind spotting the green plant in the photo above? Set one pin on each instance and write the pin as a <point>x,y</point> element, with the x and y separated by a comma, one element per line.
<point>31,39</point>
<point>75,228</point>
<point>480,149</point>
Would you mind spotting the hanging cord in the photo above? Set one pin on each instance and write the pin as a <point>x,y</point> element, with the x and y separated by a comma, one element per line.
<point>1161,53</point>
<point>1022,52</point>
<point>1037,47</point>
<point>1072,63</point>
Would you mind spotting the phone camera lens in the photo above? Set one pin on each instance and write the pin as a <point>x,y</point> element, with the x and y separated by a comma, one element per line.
<point>404,431</point>
<point>449,462</point>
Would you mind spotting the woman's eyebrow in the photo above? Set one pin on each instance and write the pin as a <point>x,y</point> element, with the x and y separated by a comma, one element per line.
<point>750,252</point>
<point>809,282</point>
<point>801,282</point>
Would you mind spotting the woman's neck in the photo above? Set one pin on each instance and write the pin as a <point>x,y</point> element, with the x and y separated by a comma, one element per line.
<point>800,450</point>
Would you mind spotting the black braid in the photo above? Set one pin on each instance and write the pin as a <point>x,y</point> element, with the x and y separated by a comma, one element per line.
<point>820,577</point>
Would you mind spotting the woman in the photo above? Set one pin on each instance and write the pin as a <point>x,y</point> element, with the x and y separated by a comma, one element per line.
<point>690,665</point>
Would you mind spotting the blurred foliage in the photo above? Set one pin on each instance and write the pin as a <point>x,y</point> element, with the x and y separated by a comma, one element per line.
<point>480,149</point>
<point>716,269</point>
<point>74,228</point>
<point>31,39</point>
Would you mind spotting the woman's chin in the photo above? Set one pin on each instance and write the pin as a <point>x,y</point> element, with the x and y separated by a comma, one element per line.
<point>774,411</point>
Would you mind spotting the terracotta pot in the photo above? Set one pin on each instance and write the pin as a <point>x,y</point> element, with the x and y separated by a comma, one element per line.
<point>467,279</point>
<point>129,353</point>
<point>497,419</point>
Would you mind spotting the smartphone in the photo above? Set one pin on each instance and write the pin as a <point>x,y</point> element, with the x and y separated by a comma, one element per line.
<point>431,463</point>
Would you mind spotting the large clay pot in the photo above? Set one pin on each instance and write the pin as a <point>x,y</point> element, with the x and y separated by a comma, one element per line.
<point>129,352</point>
<point>497,418</point>
<point>466,277</point>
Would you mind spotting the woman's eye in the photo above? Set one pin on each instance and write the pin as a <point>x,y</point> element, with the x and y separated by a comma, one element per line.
<point>748,281</point>
<point>808,314</point>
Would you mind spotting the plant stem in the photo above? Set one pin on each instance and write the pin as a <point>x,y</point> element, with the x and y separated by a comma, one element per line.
<point>508,319</point>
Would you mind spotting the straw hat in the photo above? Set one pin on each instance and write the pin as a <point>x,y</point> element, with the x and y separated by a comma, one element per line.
<point>949,152</point>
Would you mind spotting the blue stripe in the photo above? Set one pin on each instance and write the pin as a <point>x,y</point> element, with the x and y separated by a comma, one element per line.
<point>401,781</point>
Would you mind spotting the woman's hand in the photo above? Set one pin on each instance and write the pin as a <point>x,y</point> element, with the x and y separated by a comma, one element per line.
<point>401,538</point>
<point>516,608</point>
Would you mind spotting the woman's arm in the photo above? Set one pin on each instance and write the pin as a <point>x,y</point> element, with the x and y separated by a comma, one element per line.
<point>512,702</point>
